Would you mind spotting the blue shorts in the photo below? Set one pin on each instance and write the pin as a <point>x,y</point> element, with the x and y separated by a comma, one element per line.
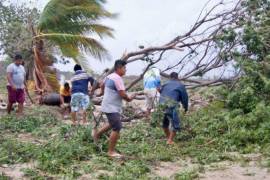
<point>79,101</point>
<point>171,117</point>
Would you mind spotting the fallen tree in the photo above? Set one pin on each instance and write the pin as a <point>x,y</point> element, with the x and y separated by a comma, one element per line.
<point>207,46</point>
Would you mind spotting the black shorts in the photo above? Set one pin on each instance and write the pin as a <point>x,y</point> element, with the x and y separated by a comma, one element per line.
<point>67,99</point>
<point>114,121</point>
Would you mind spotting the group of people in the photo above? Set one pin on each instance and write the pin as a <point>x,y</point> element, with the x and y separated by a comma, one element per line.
<point>113,90</point>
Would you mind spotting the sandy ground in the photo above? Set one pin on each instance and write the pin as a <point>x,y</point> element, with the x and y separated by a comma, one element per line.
<point>167,169</point>
<point>15,171</point>
<point>236,172</point>
<point>217,171</point>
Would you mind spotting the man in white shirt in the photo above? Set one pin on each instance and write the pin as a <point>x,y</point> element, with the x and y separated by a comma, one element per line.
<point>151,82</point>
<point>16,84</point>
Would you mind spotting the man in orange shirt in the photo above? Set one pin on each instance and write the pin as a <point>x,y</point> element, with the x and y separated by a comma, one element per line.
<point>65,97</point>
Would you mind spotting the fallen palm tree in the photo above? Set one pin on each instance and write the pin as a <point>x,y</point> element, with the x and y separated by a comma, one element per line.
<point>64,24</point>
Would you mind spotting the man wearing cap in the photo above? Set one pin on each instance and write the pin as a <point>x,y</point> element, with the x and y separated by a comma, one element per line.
<point>16,84</point>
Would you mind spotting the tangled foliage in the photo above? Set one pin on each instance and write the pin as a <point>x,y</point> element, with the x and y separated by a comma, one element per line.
<point>252,58</point>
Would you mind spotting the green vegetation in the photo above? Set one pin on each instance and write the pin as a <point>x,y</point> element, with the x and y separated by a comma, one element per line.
<point>237,120</point>
<point>207,137</point>
<point>30,123</point>
<point>13,151</point>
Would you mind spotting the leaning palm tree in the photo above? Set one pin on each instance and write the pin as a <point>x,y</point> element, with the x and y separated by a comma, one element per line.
<point>70,25</point>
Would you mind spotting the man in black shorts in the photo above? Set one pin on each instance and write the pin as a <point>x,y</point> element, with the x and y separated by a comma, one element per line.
<point>114,91</point>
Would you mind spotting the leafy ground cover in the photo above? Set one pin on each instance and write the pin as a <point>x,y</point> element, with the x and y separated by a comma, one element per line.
<point>208,136</point>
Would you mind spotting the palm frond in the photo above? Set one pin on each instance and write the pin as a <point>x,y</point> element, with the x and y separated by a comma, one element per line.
<point>52,81</point>
<point>81,28</point>
<point>66,22</point>
<point>71,44</point>
<point>56,12</point>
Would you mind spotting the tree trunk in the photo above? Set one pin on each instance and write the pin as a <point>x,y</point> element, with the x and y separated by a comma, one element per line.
<point>45,78</point>
<point>41,82</point>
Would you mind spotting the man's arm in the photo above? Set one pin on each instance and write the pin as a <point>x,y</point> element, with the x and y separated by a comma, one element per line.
<point>102,87</point>
<point>124,95</point>
<point>184,98</point>
<point>9,78</point>
<point>95,86</point>
<point>159,88</point>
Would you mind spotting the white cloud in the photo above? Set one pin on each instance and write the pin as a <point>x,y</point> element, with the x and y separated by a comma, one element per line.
<point>142,22</point>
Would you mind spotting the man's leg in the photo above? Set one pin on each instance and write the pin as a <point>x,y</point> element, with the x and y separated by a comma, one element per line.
<point>171,137</point>
<point>84,116</point>
<point>116,124</point>
<point>20,98</point>
<point>112,143</point>
<point>97,133</point>
<point>167,132</point>
<point>74,117</point>
<point>11,99</point>
<point>84,104</point>
<point>74,107</point>
<point>20,109</point>
<point>165,126</point>
<point>149,102</point>
<point>9,107</point>
<point>175,121</point>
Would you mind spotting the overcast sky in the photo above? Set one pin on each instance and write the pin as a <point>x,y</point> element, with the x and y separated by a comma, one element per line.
<point>141,22</point>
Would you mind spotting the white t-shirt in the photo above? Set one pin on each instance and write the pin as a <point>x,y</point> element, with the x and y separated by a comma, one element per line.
<point>17,75</point>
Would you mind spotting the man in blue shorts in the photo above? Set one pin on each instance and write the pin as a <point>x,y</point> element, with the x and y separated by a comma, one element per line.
<point>171,93</point>
<point>79,92</point>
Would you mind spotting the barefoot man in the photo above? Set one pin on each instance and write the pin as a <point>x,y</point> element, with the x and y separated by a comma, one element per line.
<point>171,94</point>
<point>79,93</point>
<point>114,91</point>
<point>16,84</point>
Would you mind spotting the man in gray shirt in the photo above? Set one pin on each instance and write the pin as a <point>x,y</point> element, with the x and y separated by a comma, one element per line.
<point>16,84</point>
<point>114,91</point>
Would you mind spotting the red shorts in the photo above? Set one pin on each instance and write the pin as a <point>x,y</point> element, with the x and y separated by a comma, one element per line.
<point>15,95</point>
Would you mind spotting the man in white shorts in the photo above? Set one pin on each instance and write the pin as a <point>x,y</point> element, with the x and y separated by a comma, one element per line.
<point>151,81</point>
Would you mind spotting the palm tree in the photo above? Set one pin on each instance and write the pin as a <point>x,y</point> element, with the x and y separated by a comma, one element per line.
<point>70,25</point>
